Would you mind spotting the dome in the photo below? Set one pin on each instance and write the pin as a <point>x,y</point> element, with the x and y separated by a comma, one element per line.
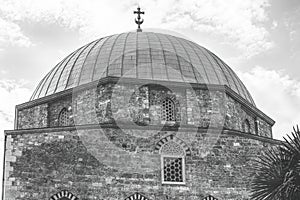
<point>140,55</point>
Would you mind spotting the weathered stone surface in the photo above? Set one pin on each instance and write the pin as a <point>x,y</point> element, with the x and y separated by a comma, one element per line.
<point>35,117</point>
<point>142,105</point>
<point>113,163</point>
<point>56,107</point>
<point>263,128</point>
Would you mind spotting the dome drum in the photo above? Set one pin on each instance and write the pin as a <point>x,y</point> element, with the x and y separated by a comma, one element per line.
<point>140,102</point>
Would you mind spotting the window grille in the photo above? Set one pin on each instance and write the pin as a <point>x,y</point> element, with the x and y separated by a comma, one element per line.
<point>173,163</point>
<point>64,118</point>
<point>168,110</point>
<point>173,169</point>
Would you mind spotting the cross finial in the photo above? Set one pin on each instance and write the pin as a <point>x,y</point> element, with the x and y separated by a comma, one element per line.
<point>139,20</point>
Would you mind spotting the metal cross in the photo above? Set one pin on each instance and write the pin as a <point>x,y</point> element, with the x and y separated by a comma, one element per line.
<point>139,20</point>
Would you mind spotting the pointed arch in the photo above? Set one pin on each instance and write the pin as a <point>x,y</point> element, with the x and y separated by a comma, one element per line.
<point>136,196</point>
<point>63,195</point>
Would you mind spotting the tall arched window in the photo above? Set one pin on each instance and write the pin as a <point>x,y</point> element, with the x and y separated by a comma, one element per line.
<point>168,111</point>
<point>172,163</point>
<point>64,118</point>
<point>246,126</point>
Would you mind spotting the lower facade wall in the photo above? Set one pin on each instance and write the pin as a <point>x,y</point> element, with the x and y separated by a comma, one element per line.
<point>111,164</point>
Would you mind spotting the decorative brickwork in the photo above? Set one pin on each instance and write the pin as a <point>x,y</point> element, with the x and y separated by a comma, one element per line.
<point>63,195</point>
<point>210,198</point>
<point>137,196</point>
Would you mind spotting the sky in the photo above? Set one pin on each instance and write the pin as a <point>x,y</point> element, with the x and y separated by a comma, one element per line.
<point>258,39</point>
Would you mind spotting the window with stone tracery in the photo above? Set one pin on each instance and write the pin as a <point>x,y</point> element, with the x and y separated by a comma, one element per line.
<point>173,163</point>
<point>168,111</point>
<point>64,117</point>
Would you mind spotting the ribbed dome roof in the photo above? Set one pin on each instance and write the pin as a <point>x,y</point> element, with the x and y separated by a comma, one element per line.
<point>141,55</point>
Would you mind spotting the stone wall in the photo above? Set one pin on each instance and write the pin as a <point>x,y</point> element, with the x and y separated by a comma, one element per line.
<point>236,115</point>
<point>84,107</point>
<point>142,105</point>
<point>264,129</point>
<point>205,108</point>
<point>56,107</point>
<point>111,164</point>
<point>35,117</point>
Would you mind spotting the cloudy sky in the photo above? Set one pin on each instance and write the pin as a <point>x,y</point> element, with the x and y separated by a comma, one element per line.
<point>259,39</point>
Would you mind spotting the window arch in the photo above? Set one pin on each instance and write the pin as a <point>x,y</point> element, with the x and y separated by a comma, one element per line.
<point>63,195</point>
<point>246,126</point>
<point>172,163</point>
<point>64,117</point>
<point>136,196</point>
<point>168,110</point>
<point>209,197</point>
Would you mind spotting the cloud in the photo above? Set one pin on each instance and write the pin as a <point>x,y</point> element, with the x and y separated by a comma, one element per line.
<point>277,95</point>
<point>241,22</point>
<point>10,33</point>
<point>88,17</point>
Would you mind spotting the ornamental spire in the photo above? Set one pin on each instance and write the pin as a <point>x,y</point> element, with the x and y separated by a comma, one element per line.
<point>139,20</point>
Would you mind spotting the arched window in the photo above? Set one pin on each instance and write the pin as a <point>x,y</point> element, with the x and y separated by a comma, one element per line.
<point>168,111</point>
<point>246,126</point>
<point>64,118</point>
<point>172,163</point>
